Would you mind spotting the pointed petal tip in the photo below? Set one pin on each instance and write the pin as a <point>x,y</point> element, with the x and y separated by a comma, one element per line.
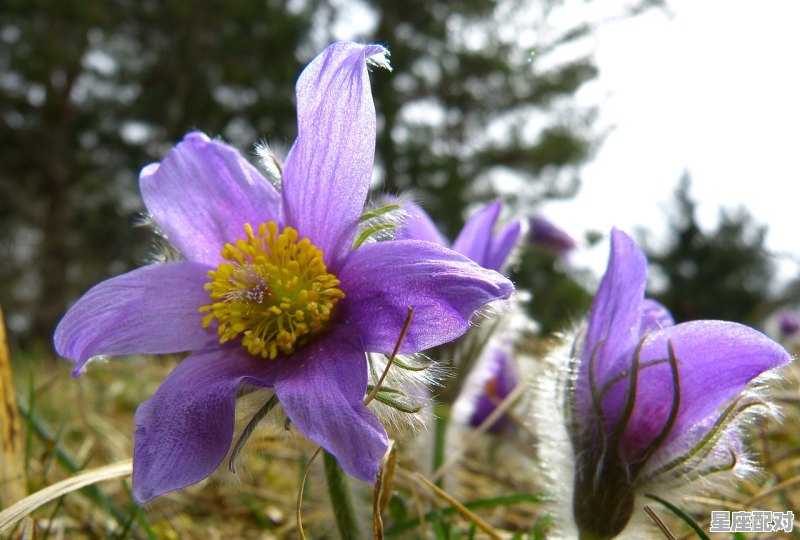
<point>118,316</point>
<point>626,259</point>
<point>373,54</point>
<point>621,238</point>
<point>615,317</point>
<point>149,170</point>
<point>143,496</point>
<point>378,56</point>
<point>198,136</point>
<point>444,288</point>
<point>748,341</point>
<point>80,366</point>
<point>475,241</point>
<point>191,137</point>
<point>201,195</point>
<point>503,244</point>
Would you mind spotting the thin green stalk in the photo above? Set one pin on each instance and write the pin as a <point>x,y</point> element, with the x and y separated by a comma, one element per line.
<point>439,439</point>
<point>28,430</point>
<point>249,429</point>
<point>340,500</point>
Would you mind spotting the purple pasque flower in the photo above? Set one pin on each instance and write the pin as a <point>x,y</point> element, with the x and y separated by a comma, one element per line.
<point>653,401</point>
<point>788,323</point>
<point>477,239</point>
<point>271,292</point>
<point>543,233</point>
<point>492,380</point>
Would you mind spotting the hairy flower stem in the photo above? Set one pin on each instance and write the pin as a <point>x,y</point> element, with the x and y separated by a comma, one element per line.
<point>340,499</point>
<point>603,503</point>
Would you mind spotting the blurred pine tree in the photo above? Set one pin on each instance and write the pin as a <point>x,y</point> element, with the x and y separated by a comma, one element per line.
<point>724,274</point>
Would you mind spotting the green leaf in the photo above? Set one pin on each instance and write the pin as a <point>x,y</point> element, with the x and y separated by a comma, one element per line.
<point>396,399</point>
<point>411,367</point>
<point>377,212</point>
<point>681,514</point>
<point>372,230</point>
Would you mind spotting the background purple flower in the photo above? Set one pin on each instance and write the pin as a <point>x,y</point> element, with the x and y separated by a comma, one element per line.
<point>653,400</point>
<point>789,323</point>
<point>477,239</point>
<point>494,377</point>
<point>335,302</point>
<point>543,233</point>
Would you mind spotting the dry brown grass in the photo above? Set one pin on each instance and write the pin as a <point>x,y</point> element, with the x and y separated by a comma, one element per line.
<point>89,422</point>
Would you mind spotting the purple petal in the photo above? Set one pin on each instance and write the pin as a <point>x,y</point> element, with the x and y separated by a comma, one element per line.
<point>543,233</point>
<point>444,288</point>
<point>655,317</point>
<point>184,431</point>
<point>475,239</point>
<point>716,361</point>
<point>203,193</point>
<point>328,171</point>
<point>151,310</point>
<point>502,245</point>
<point>419,226</point>
<point>615,318</point>
<point>322,388</point>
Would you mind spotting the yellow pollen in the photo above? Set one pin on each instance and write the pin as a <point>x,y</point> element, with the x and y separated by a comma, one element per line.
<point>274,291</point>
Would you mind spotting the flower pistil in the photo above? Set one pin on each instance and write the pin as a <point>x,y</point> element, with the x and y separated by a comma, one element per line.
<point>274,291</point>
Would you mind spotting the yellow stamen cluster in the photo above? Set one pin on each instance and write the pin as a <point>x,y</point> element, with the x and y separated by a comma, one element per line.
<point>275,292</point>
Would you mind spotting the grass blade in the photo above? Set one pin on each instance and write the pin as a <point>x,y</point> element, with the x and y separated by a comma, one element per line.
<point>681,514</point>
<point>19,510</point>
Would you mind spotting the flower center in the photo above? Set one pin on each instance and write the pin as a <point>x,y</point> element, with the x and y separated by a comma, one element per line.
<point>275,291</point>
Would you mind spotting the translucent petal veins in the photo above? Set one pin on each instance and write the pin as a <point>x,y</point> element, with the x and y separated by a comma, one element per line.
<point>630,398</point>
<point>597,402</point>
<point>658,441</point>
<point>274,291</point>
<point>622,375</point>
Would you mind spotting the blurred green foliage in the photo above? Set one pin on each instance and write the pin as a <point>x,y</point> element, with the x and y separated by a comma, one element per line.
<point>92,90</point>
<point>558,299</point>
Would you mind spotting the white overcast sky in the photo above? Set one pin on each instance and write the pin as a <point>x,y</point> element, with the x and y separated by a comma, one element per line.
<point>710,87</point>
<point>713,89</point>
